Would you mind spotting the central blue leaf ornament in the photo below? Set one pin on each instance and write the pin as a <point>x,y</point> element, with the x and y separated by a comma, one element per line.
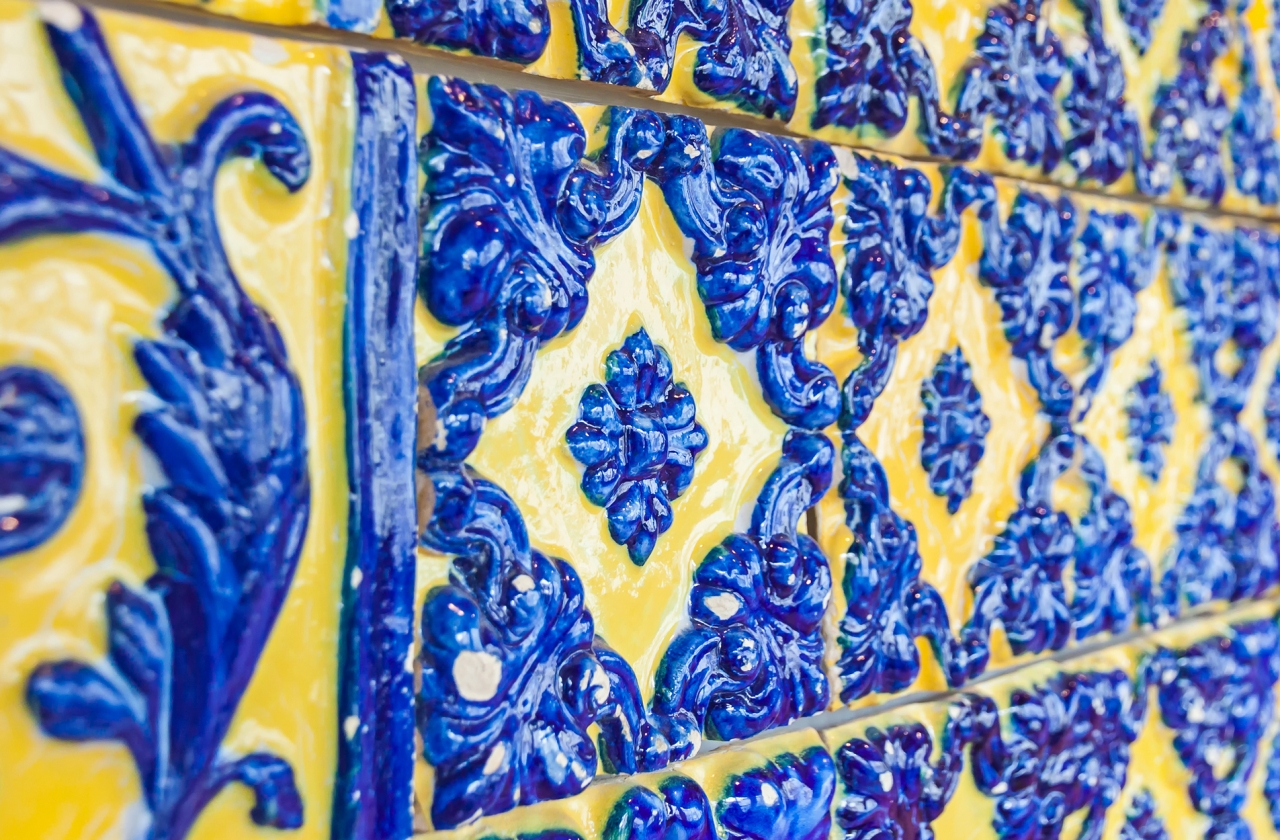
<point>637,437</point>
<point>41,457</point>
<point>1151,420</point>
<point>955,428</point>
<point>227,428</point>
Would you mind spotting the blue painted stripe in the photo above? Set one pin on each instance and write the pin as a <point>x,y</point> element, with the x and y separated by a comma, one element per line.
<point>373,791</point>
<point>353,15</point>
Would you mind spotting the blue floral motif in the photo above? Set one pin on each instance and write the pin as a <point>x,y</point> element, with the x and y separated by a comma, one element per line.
<point>1104,140</point>
<point>760,219</point>
<point>1218,698</point>
<point>41,456</point>
<point>891,787</point>
<point>1190,115</point>
<point>1151,420</point>
<point>1271,414</point>
<point>1012,77</point>
<point>228,429</point>
<point>892,244</point>
<point>678,809</point>
<point>873,67</point>
<point>513,674</point>
<point>743,53</point>
<point>1141,821</point>
<point>1112,575</point>
<point>511,213</point>
<point>955,428</point>
<point>512,30</point>
<point>1019,582</point>
<point>1138,16</point>
<point>1064,750</point>
<point>1025,262</point>
<point>1115,259</point>
<point>637,437</point>
<point>804,784</point>
<point>1228,286</point>
<point>1227,537</point>
<point>752,658</point>
<point>1255,154</point>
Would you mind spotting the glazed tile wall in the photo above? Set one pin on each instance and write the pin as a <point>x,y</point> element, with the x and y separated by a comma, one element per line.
<point>713,432</point>
<point>1174,100</point>
<point>200,275</point>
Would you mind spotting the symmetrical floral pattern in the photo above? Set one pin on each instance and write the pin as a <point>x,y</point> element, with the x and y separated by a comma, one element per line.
<point>228,428</point>
<point>955,428</point>
<point>638,439</point>
<point>41,457</point>
<point>1062,748</point>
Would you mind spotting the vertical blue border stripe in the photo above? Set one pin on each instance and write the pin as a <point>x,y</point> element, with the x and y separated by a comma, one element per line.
<point>374,784</point>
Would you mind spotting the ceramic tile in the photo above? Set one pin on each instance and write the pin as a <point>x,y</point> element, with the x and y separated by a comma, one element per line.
<point>1053,426</point>
<point>1158,739</point>
<point>202,278</point>
<point>1175,100</point>
<point>619,439</point>
<point>777,787</point>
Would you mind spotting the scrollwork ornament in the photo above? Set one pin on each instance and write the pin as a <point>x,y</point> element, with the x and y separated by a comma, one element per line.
<point>228,429</point>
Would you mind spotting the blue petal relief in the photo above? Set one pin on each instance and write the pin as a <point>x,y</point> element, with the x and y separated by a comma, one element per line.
<point>1151,419</point>
<point>1012,78</point>
<point>41,457</point>
<point>638,438</point>
<point>1271,414</point>
<point>873,68</point>
<point>1064,750</point>
<point>1218,696</point>
<point>955,428</point>
<point>1255,154</point>
<point>759,213</point>
<point>513,673</point>
<point>1141,822</point>
<point>892,243</point>
<point>228,430</point>
<point>752,657</point>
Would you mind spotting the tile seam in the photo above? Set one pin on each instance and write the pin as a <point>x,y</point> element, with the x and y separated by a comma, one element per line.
<point>478,69</point>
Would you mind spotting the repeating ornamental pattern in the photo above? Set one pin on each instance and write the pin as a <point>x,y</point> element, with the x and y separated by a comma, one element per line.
<point>610,475</point>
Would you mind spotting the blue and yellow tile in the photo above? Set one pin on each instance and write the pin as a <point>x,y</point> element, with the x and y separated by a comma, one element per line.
<point>183,215</point>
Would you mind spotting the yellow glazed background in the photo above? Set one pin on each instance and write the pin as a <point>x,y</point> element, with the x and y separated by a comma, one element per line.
<point>74,305</point>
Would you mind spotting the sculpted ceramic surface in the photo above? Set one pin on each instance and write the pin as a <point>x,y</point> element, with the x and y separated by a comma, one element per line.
<point>1169,99</point>
<point>173,372</point>
<point>384,454</point>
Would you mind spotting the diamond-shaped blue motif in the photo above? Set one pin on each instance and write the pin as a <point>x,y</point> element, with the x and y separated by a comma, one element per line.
<point>955,428</point>
<point>637,437</point>
<point>1150,423</point>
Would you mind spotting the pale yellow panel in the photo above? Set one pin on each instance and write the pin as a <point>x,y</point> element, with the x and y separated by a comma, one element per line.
<point>74,305</point>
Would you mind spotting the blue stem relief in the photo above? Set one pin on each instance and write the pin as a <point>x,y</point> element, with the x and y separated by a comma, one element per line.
<point>228,430</point>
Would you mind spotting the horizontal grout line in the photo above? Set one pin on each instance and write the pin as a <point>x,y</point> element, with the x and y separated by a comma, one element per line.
<point>475,69</point>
